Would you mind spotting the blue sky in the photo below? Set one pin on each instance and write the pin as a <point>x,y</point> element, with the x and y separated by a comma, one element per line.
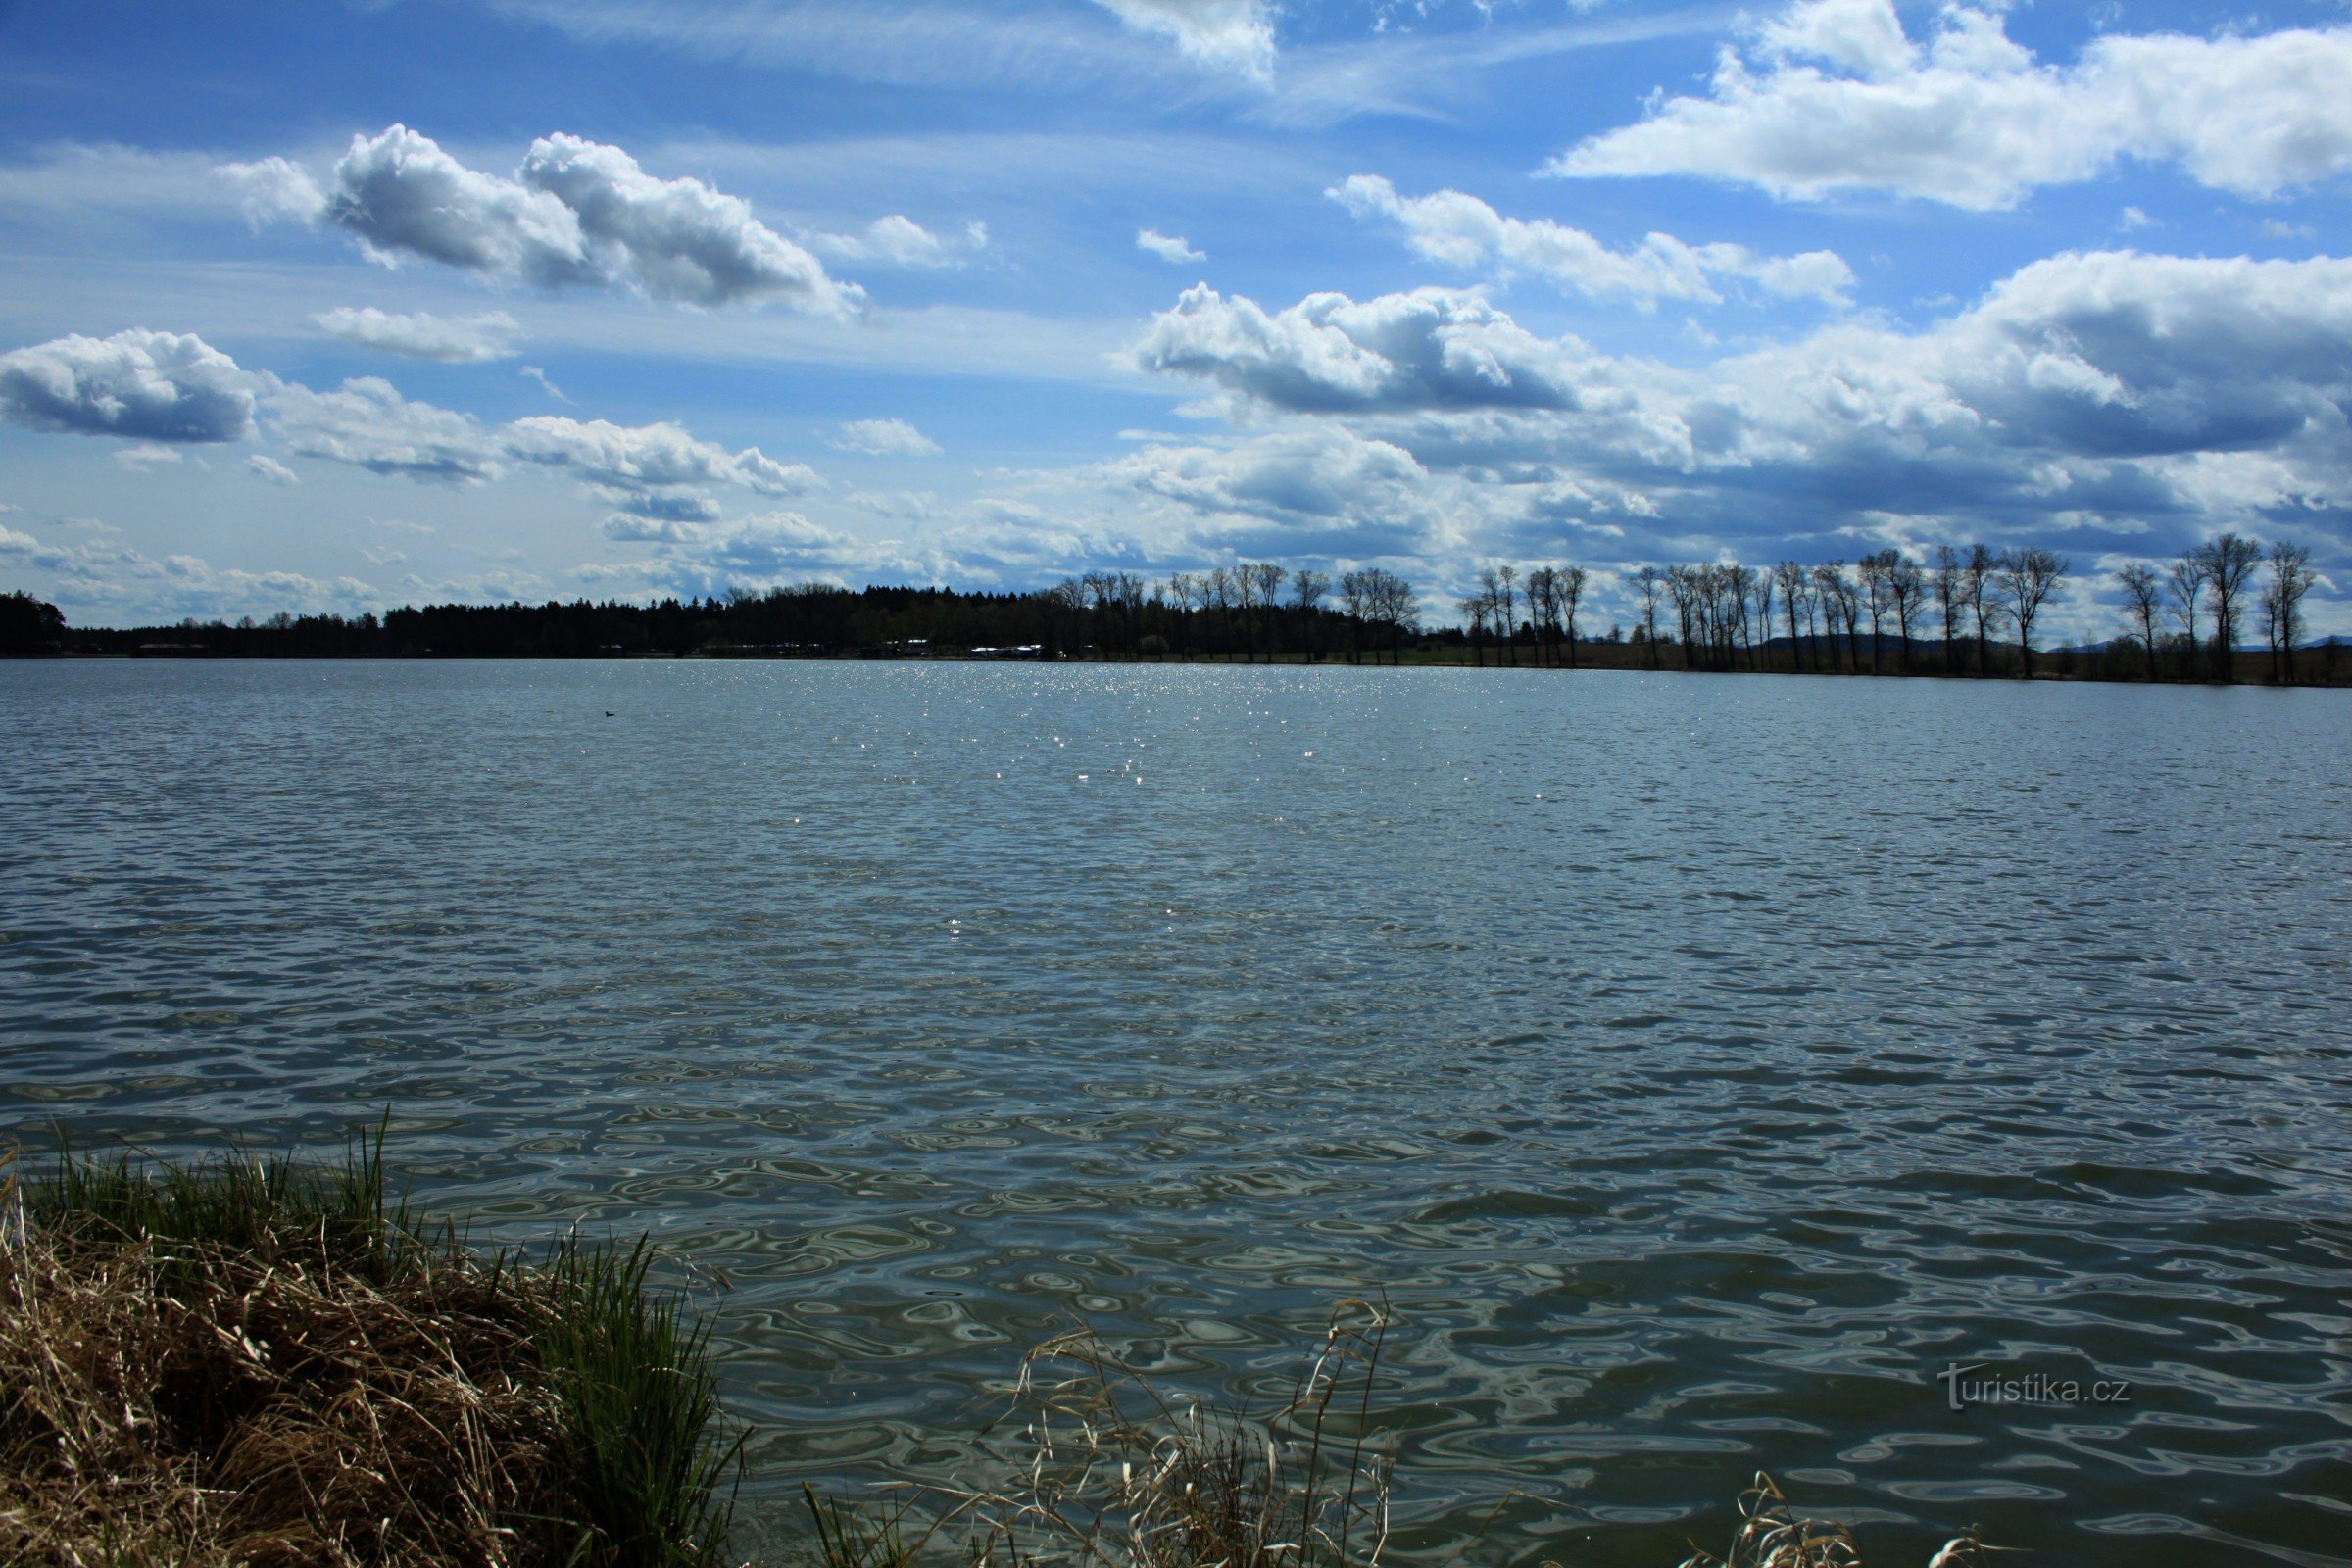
<point>341,306</point>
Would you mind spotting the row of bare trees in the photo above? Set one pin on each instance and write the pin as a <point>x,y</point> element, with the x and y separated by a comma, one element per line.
<point>1240,611</point>
<point>1960,610</point>
<point>1883,613</point>
<point>1724,612</point>
<point>1554,597</point>
<point>2218,574</point>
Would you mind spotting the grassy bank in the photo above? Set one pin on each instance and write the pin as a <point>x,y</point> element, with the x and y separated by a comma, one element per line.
<point>269,1362</point>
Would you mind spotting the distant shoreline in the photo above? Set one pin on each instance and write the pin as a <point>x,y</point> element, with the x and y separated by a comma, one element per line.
<point>2319,666</point>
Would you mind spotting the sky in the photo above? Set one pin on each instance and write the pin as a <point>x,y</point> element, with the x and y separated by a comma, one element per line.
<point>363,303</point>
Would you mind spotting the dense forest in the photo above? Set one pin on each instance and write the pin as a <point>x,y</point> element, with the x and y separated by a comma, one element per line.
<point>1963,612</point>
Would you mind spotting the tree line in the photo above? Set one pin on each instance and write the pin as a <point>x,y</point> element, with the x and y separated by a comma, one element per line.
<point>1970,611</point>
<point>1961,612</point>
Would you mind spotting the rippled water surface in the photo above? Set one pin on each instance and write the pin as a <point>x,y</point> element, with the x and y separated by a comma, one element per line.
<point>1700,1065</point>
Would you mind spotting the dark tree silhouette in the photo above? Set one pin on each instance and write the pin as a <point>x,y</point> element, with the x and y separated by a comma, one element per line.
<point>1651,580</point>
<point>29,625</point>
<point>2143,596</point>
<point>1572,592</point>
<point>1792,578</point>
<point>1874,570</point>
<point>2227,562</point>
<point>1975,581</point>
<point>2184,583</point>
<point>2282,606</point>
<point>1947,598</point>
<point>2028,577</point>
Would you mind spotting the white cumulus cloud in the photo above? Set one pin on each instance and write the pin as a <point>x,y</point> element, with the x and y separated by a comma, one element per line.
<point>141,385</point>
<point>651,471</point>
<point>1330,354</point>
<point>366,423</point>
<point>2114,391</point>
<point>1834,95</point>
<point>262,465</point>
<point>576,212</point>
<point>1169,247</point>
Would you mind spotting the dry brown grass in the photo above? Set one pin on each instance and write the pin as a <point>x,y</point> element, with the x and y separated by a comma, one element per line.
<point>1772,1534</point>
<point>261,1366</point>
<point>198,1410</point>
<point>1103,1471</point>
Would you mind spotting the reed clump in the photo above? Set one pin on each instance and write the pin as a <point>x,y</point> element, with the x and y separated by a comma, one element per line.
<point>265,1362</point>
<point>1106,1471</point>
<point>1771,1534</point>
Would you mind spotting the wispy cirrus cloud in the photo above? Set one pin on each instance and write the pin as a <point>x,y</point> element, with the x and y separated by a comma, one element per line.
<point>884,438</point>
<point>901,241</point>
<point>1231,35</point>
<point>1463,231</point>
<point>452,340</point>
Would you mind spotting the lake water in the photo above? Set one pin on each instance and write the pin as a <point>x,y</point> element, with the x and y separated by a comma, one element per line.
<point>1700,1065</point>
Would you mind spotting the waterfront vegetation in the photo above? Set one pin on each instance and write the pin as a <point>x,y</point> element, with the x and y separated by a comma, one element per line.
<point>274,1363</point>
<point>1963,612</point>
<point>266,1361</point>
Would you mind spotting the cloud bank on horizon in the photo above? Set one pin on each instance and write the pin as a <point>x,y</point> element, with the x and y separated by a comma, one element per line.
<point>1462,284</point>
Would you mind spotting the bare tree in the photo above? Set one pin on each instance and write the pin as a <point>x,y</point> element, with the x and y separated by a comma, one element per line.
<point>1651,580</point>
<point>1947,596</point>
<point>2227,562</point>
<point>1907,586</point>
<point>1182,586</point>
<point>1837,600</point>
<point>1308,589</point>
<point>1761,586</point>
<point>1357,595</point>
<point>2028,577</point>
<point>1792,578</point>
<point>1874,570</point>
<point>1506,608</point>
<point>1218,596</point>
<point>1265,584</point>
<point>2143,596</point>
<point>1849,595</point>
<point>1681,588</point>
<point>1396,608</point>
<point>1128,590</point>
<point>2184,583</point>
<point>1067,598</point>
<point>1244,584</point>
<point>1572,592</point>
<point>2282,606</point>
<point>1543,611</point>
<point>1976,580</point>
<point>1475,610</point>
